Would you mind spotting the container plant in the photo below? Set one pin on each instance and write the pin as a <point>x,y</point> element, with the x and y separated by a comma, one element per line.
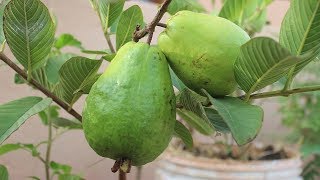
<point>125,119</point>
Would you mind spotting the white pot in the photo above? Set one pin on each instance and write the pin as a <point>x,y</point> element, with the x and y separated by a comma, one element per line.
<point>181,167</point>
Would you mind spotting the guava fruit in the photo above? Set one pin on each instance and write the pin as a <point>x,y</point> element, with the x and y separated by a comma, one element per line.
<point>202,49</point>
<point>130,110</point>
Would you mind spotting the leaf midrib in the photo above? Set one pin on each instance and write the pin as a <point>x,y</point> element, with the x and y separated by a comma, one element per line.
<point>2,138</point>
<point>125,37</point>
<point>252,89</point>
<point>308,29</point>
<point>27,39</point>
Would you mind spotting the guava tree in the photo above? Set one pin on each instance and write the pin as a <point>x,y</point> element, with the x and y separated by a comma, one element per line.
<point>130,112</point>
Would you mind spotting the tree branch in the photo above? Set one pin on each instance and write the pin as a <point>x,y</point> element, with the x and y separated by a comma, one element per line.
<point>149,29</point>
<point>23,74</point>
<point>283,93</point>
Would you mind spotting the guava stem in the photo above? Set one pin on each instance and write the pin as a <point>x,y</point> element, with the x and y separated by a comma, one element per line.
<point>116,166</point>
<point>122,175</point>
<point>122,164</point>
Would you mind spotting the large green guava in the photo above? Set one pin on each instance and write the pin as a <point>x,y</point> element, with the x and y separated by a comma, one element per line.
<point>130,111</point>
<point>202,49</point>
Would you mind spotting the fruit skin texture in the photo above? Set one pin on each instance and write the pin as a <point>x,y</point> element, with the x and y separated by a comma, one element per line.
<point>202,49</point>
<point>130,111</point>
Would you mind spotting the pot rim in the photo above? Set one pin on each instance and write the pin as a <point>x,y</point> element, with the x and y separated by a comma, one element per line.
<point>231,165</point>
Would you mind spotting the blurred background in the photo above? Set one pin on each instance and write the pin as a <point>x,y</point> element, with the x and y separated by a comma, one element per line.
<point>78,18</point>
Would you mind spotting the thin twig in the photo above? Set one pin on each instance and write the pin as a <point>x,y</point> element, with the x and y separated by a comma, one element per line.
<point>49,145</point>
<point>33,82</point>
<point>149,29</point>
<point>162,25</point>
<point>283,93</point>
<point>107,36</point>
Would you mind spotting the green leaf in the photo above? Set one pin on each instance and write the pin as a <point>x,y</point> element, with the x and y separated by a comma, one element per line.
<point>54,64</point>
<point>66,123</point>
<point>262,61</point>
<point>201,125</point>
<point>75,74</point>
<point>18,79</point>
<point>176,81</point>
<point>192,101</point>
<point>184,134</point>
<point>13,147</point>
<point>67,40</point>
<point>4,149</point>
<point>86,86</point>
<point>238,10</point>
<point>34,177</point>
<point>129,19</point>
<point>53,113</point>
<point>308,149</point>
<point>216,120</point>
<point>109,57</point>
<point>29,31</point>
<point>60,168</point>
<point>15,113</point>
<point>300,31</point>
<point>39,75</point>
<point>69,177</point>
<point>251,15</point>
<point>193,111</point>
<point>108,11</point>
<point>3,4</point>
<point>4,174</point>
<point>244,120</point>
<point>190,5</point>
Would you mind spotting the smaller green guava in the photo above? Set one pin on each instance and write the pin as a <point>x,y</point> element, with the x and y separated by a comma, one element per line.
<point>202,49</point>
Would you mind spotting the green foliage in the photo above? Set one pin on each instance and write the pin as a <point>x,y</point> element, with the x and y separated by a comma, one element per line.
<point>183,133</point>
<point>54,64</point>
<point>4,149</point>
<point>193,112</point>
<point>7,148</point>
<point>4,175</point>
<point>75,75</point>
<point>128,22</point>
<point>311,170</point>
<point>251,15</point>
<point>29,31</point>
<point>108,11</point>
<point>217,121</point>
<point>3,4</point>
<point>15,113</point>
<point>63,171</point>
<point>67,40</point>
<point>244,120</point>
<point>262,61</point>
<point>176,82</point>
<point>300,31</point>
<point>190,5</point>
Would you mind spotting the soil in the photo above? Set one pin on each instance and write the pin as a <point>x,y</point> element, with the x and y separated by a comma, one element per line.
<point>250,152</point>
